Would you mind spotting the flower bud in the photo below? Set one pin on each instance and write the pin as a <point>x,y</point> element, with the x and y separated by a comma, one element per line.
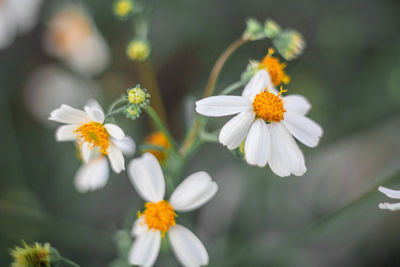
<point>35,255</point>
<point>290,44</point>
<point>122,8</point>
<point>138,50</point>
<point>271,28</point>
<point>254,30</point>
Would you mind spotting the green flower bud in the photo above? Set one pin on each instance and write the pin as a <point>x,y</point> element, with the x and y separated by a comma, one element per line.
<point>290,44</point>
<point>254,30</point>
<point>271,28</point>
<point>122,8</point>
<point>138,50</point>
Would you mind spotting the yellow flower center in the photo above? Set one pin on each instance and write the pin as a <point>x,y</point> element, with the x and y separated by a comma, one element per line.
<point>136,96</point>
<point>269,106</point>
<point>158,139</point>
<point>275,68</point>
<point>159,216</point>
<point>95,135</point>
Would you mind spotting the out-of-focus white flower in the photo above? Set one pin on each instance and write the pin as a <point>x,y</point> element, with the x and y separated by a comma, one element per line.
<point>17,16</point>
<point>392,194</point>
<point>159,215</point>
<point>94,137</point>
<point>266,122</point>
<point>72,36</point>
<point>50,86</point>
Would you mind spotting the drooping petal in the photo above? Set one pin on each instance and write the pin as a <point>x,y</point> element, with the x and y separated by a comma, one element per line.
<point>115,131</point>
<point>145,249</point>
<point>95,114</point>
<point>297,104</point>
<point>126,145</point>
<point>92,103</point>
<point>389,206</point>
<point>193,192</point>
<point>139,227</point>
<point>116,158</point>
<point>258,144</point>
<point>303,129</point>
<point>147,177</point>
<point>66,133</point>
<point>222,105</point>
<point>286,157</point>
<point>257,83</point>
<point>70,115</point>
<point>235,130</point>
<point>389,192</point>
<point>187,247</point>
<point>86,152</point>
<point>93,175</point>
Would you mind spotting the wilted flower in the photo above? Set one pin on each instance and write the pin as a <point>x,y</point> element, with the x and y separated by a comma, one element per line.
<point>159,215</point>
<point>72,37</point>
<point>33,256</point>
<point>17,16</point>
<point>160,140</point>
<point>392,194</point>
<point>88,129</point>
<point>138,50</point>
<point>290,44</point>
<point>266,122</point>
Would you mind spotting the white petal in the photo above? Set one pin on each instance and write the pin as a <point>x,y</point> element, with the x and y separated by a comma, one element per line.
<point>93,175</point>
<point>95,114</point>
<point>296,103</point>
<point>304,129</point>
<point>126,145</point>
<point>116,158</point>
<point>389,192</point>
<point>70,115</point>
<point>389,206</point>
<point>258,82</point>
<point>187,247</point>
<point>286,157</point>
<point>115,131</point>
<point>92,103</point>
<point>145,249</point>
<point>193,192</point>
<point>147,177</point>
<point>258,144</point>
<point>66,133</point>
<point>235,130</point>
<point>139,227</point>
<point>222,105</point>
<point>86,152</point>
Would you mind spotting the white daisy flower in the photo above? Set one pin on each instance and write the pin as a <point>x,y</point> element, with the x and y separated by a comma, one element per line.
<point>87,128</point>
<point>159,215</point>
<point>17,16</point>
<point>392,194</point>
<point>266,122</point>
<point>94,175</point>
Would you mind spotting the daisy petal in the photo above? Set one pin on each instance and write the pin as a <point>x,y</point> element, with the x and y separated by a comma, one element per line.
<point>258,144</point>
<point>66,133</point>
<point>187,247</point>
<point>389,192</point>
<point>126,145</point>
<point>235,130</point>
<point>86,152</point>
<point>139,227</point>
<point>222,105</point>
<point>259,81</point>
<point>70,115</point>
<point>145,249</point>
<point>389,206</point>
<point>92,103</point>
<point>286,157</point>
<point>116,158</point>
<point>95,114</point>
<point>305,130</point>
<point>92,176</point>
<point>193,192</point>
<point>115,131</point>
<point>297,104</point>
<point>147,177</point>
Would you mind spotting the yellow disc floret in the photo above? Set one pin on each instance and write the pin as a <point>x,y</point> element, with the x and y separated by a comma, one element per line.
<point>95,135</point>
<point>268,106</point>
<point>136,96</point>
<point>158,216</point>
<point>275,68</point>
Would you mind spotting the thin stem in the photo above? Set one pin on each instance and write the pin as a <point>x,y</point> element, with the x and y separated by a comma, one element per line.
<point>157,120</point>
<point>116,112</point>
<point>68,262</point>
<point>116,102</point>
<point>232,88</point>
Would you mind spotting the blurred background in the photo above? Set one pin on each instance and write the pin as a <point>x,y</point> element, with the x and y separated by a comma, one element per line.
<point>350,72</point>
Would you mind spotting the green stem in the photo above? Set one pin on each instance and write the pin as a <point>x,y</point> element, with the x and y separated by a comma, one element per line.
<point>68,262</point>
<point>157,120</point>
<point>232,88</point>
<point>115,112</point>
<point>116,102</point>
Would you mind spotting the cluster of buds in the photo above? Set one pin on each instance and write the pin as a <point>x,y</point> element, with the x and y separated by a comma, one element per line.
<point>288,42</point>
<point>138,98</point>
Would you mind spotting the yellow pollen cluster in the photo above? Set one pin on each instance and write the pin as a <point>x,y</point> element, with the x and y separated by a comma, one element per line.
<point>158,139</point>
<point>95,135</point>
<point>269,106</point>
<point>275,68</point>
<point>159,216</point>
